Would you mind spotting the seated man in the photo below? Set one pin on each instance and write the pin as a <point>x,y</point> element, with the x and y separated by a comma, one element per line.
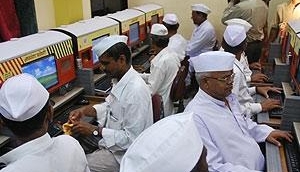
<point>177,42</point>
<point>164,67</point>
<point>203,38</point>
<point>26,111</point>
<point>173,144</point>
<point>230,138</point>
<point>126,112</point>
<point>250,77</point>
<point>234,41</point>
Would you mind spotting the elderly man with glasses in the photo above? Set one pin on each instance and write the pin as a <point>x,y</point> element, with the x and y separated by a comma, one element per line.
<point>225,132</point>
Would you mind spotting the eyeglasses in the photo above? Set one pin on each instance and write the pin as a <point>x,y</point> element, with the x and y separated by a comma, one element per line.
<point>226,79</point>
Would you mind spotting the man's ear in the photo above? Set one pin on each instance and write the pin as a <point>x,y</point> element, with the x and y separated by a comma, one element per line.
<point>50,112</point>
<point>122,59</point>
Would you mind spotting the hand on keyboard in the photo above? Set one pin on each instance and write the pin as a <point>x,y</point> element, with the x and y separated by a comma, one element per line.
<point>270,104</point>
<point>255,66</point>
<point>275,135</point>
<point>264,90</point>
<point>259,77</point>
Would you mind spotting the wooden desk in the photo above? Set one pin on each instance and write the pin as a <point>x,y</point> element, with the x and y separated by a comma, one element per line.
<point>263,118</point>
<point>61,100</point>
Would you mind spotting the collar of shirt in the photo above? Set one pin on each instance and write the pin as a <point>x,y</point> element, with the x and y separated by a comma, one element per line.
<point>201,25</point>
<point>216,101</point>
<point>157,58</point>
<point>118,87</point>
<point>28,148</point>
<point>240,67</point>
<point>232,101</point>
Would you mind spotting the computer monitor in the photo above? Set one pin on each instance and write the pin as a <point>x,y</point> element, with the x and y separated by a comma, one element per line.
<point>95,41</point>
<point>295,73</point>
<point>285,47</point>
<point>134,32</point>
<point>154,19</point>
<point>43,69</point>
<point>298,74</point>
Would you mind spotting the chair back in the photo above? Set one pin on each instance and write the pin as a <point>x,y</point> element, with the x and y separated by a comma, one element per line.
<point>178,86</point>
<point>157,107</point>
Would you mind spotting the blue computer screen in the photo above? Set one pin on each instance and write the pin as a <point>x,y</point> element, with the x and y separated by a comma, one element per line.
<point>133,32</point>
<point>44,70</point>
<point>95,41</point>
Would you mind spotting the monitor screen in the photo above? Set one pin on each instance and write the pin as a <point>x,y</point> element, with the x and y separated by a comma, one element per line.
<point>133,32</point>
<point>95,41</point>
<point>44,70</point>
<point>154,19</point>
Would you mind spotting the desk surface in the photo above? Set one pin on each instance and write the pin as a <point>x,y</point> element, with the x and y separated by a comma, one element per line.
<point>263,118</point>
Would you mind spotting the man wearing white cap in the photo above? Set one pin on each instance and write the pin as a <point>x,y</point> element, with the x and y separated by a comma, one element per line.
<point>203,38</point>
<point>225,132</point>
<point>126,112</point>
<point>176,41</point>
<point>172,144</point>
<point>164,67</point>
<point>256,13</point>
<point>257,77</point>
<point>26,110</point>
<point>234,41</point>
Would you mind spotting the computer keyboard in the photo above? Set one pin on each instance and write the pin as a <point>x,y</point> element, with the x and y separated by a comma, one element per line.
<point>292,156</point>
<point>55,127</point>
<point>268,71</point>
<point>140,60</point>
<point>104,85</point>
<point>277,112</point>
<point>141,63</point>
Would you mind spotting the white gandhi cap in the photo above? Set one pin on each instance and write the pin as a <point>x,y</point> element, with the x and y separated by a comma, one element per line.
<point>201,7</point>
<point>234,35</point>
<point>170,19</point>
<point>22,97</point>
<point>213,61</point>
<point>237,21</point>
<point>172,144</point>
<point>159,30</point>
<point>108,42</point>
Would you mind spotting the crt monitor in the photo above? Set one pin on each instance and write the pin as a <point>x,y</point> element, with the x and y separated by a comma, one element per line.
<point>285,47</point>
<point>43,69</point>
<point>134,33</point>
<point>295,74</point>
<point>95,41</point>
<point>154,19</point>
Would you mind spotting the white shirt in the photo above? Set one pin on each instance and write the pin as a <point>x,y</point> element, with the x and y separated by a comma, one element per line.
<point>203,39</point>
<point>178,44</point>
<point>230,139</point>
<point>247,71</point>
<point>240,88</point>
<point>163,70</point>
<point>126,112</point>
<point>244,61</point>
<point>46,154</point>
